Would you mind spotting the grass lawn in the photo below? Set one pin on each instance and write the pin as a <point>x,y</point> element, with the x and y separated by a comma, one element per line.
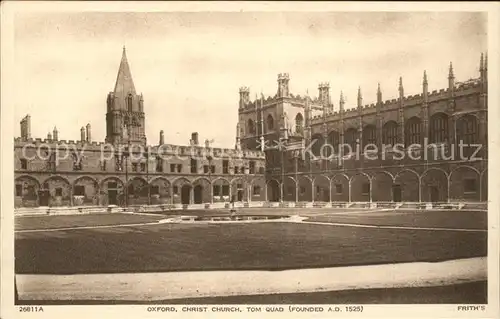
<point>64,221</point>
<point>432,219</point>
<point>171,247</point>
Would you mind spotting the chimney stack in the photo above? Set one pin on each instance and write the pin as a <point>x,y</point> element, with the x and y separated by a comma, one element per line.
<point>194,138</point>
<point>26,127</point>
<point>162,138</point>
<point>89,136</point>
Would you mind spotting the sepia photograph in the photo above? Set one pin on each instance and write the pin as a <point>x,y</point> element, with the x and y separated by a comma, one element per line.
<point>250,162</point>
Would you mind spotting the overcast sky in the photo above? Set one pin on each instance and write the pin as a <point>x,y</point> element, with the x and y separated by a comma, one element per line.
<point>189,66</point>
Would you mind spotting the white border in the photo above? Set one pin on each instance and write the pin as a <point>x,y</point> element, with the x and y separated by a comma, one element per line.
<point>384,311</point>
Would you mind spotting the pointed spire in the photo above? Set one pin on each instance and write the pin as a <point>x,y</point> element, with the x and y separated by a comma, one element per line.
<point>451,75</point>
<point>124,83</point>
<point>401,89</point>
<point>425,77</point>
<point>341,102</point>
<point>481,62</point>
<point>379,94</point>
<point>486,61</point>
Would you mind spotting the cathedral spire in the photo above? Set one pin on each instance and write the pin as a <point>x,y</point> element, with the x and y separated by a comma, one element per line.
<point>124,83</point>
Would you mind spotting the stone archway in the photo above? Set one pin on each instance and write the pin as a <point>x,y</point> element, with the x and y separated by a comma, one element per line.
<point>201,191</point>
<point>408,182</point>
<point>305,188</point>
<point>26,191</point>
<point>186,194</point>
<point>290,187</point>
<point>59,191</point>
<point>273,191</point>
<point>360,188</point>
<point>85,191</point>
<point>258,189</point>
<point>138,191</point>
<point>182,191</point>
<point>383,190</point>
<point>160,191</point>
<point>321,189</point>
<point>465,184</point>
<point>112,191</point>
<point>239,190</point>
<point>339,188</point>
<point>434,185</point>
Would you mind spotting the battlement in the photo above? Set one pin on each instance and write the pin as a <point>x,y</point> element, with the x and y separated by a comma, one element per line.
<point>183,150</point>
<point>283,76</point>
<point>324,85</point>
<point>60,144</point>
<point>244,89</point>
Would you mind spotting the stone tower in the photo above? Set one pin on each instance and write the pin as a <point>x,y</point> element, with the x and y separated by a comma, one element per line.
<point>125,120</point>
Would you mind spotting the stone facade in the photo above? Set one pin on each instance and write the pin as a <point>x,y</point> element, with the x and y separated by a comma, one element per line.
<point>308,163</point>
<point>125,170</point>
<point>280,152</point>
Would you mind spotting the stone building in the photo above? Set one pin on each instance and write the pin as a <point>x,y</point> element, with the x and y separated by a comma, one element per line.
<point>409,147</point>
<point>125,170</point>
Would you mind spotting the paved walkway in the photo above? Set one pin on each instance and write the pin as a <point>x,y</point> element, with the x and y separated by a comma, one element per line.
<point>171,285</point>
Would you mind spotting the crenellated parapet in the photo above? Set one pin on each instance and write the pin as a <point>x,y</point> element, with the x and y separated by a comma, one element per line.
<point>165,149</point>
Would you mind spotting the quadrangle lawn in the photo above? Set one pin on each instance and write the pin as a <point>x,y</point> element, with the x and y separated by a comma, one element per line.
<point>274,246</point>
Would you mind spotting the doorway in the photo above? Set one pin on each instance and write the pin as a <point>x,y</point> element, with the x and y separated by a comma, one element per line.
<point>396,193</point>
<point>185,194</point>
<point>198,194</point>
<point>240,195</point>
<point>112,197</point>
<point>434,194</point>
<point>274,191</point>
<point>43,196</point>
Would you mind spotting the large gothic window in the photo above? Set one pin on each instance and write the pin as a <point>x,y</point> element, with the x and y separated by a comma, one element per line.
<point>439,128</point>
<point>413,130</point>
<point>129,102</point>
<point>334,140</point>
<point>317,144</point>
<point>299,123</point>
<point>467,129</point>
<point>350,137</point>
<point>270,122</point>
<point>369,135</point>
<point>251,127</point>
<point>390,133</point>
